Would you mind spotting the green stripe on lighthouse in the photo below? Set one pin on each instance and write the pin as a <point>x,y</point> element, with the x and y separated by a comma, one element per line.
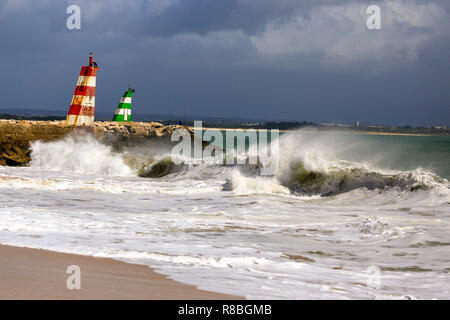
<point>123,111</point>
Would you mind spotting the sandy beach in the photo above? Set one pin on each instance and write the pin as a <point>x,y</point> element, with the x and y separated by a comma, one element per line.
<point>41,274</point>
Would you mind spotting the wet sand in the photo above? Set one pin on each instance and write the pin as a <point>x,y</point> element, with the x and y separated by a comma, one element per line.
<point>41,274</point>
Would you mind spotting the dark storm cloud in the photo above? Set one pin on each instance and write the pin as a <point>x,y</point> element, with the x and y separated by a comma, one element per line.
<point>204,16</point>
<point>303,60</point>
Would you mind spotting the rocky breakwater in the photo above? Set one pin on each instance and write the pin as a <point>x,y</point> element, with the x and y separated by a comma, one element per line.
<point>135,129</point>
<point>16,135</point>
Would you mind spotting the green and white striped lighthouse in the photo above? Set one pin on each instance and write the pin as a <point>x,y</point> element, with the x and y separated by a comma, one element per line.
<point>123,111</point>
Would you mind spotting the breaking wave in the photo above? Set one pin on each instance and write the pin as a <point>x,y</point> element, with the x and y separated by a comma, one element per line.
<point>315,165</point>
<point>308,166</point>
<point>78,154</point>
<point>347,177</point>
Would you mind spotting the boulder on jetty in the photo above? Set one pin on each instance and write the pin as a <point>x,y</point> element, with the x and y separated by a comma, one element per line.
<point>135,129</point>
<point>16,135</point>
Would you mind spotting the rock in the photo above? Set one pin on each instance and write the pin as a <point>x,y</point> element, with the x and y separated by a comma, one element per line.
<point>15,136</point>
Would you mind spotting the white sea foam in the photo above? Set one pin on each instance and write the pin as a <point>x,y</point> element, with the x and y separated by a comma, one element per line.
<point>242,184</point>
<point>81,154</point>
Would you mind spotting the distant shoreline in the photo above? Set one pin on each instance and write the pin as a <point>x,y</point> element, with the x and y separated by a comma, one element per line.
<point>305,128</point>
<point>328,131</point>
<point>283,126</point>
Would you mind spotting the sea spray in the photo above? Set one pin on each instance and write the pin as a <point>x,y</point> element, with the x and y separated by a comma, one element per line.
<point>309,165</point>
<point>78,154</point>
<point>240,184</point>
<point>314,164</point>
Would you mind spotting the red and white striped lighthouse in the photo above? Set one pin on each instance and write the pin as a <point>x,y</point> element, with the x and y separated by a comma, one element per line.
<point>82,108</point>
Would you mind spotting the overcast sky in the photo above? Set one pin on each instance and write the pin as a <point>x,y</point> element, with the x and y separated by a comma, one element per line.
<point>302,60</point>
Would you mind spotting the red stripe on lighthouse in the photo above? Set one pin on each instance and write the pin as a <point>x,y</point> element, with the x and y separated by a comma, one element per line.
<point>75,109</point>
<point>88,71</point>
<point>80,110</point>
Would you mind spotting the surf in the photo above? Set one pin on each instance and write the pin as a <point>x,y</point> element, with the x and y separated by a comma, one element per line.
<point>309,165</point>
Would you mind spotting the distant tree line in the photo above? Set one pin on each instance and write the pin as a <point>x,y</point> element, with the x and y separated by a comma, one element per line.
<point>30,117</point>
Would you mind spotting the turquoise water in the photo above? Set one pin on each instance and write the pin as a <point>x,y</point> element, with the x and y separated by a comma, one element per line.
<point>402,152</point>
<point>396,152</point>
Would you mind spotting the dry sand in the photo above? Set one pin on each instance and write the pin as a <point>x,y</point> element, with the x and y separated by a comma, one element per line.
<point>41,274</point>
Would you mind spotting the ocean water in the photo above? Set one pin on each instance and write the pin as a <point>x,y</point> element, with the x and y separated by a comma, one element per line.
<point>346,216</point>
